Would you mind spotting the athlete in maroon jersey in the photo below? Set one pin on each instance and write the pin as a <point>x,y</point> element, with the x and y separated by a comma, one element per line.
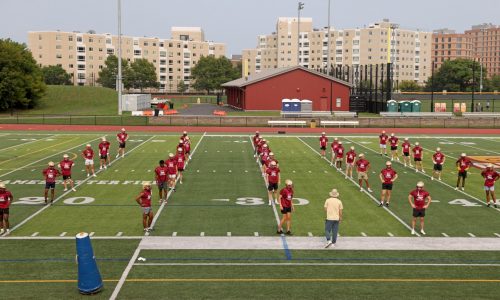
<point>144,200</point>
<point>270,159</point>
<point>286,207</point>
<point>405,148</point>
<point>88,156</point>
<point>323,142</point>
<point>50,174</point>
<point>438,160</point>
<point>187,148</point>
<point>463,164</point>
<point>387,177</point>
<point>184,135</point>
<point>350,159</point>
<point>6,199</point>
<point>394,141</point>
<point>339,156</point>
<point>490,177</point>
<point>256,139</point>
<point>65,165</point>
<point>334,146</point>
<point>418,156</point>
<point>362,167</point>
<point>171,164</point>
<point>383,143</point>
<point>180,146</point>
<point>180,158</point>
<point>104,156</point>
<point>161,180</point>
<point>273,180</point>
<point>419,200</point>
<point>122,138</point>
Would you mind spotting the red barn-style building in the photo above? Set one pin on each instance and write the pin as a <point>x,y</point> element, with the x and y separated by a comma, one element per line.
<point>265,90</point>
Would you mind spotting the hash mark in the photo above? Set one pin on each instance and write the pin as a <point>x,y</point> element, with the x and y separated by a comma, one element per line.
<point>228,233</point>
<point>498,235</point>
<point>390,234</point>
<point>309,234</point>
<point>174,233</point>
<point>445,235</point>
<point>202,233</point>
<point>35,233</point>
<point>471,235</point>
<point>257,234</point>
<point>63,234</point>
<point>119,233</point>
<point>363,234</point>
<point>92,233</point>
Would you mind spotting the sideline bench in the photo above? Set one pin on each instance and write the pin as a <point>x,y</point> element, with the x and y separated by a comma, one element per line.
<point>310,114</point>
<point>339,123</point>
<point>480,115</point>
<point>416,114</point>
<point>286,123</point>
<point>344,114</point>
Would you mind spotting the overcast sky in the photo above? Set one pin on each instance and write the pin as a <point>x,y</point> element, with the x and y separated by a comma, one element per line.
<point>234,22</point>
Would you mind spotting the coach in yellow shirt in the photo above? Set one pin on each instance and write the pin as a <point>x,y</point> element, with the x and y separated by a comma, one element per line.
<point>333,208</point>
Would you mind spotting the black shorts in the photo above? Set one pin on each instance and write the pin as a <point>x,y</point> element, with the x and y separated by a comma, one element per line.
<point>262,162</point>
<point>50,185</point>
<point>438,167</point>
<point>122,145</point>
<point>66,177</point>
<point>187,152</point>
<point>104,156</point>
<point>323,148</point>
<point>387,186</point>
<point>417,159</point>
<point>406,153</point>
<point>180,169</point>
<point>4,211</point>
<point>418,213</point>
<point>272,187</point>
<point>286,210</point>
<point>462,174</point>
<point>393,148</point>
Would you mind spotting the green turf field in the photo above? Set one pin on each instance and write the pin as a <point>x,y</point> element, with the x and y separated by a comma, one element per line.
<point>223,195</point>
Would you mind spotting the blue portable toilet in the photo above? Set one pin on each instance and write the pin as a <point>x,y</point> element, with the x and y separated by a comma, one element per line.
<point>295,105</point>
<point>286,105</point>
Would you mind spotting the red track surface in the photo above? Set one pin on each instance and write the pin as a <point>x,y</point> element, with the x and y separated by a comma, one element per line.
<point>447,131</point>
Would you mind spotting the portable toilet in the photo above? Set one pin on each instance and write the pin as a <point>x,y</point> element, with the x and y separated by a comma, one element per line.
<point>286,105</point>
<point>392,106</point>
<point>295,105</point>
<point>416,106</point>
<point>306,106</point>
<point>405,106</point>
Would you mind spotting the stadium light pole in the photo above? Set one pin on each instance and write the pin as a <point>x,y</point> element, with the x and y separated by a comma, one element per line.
<point>328,41</point>
<point>299,8</point>
<point>119,75</point>
<point>481,62</point>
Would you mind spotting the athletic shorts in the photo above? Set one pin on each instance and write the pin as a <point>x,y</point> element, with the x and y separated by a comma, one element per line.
<point>262,162</point>
<point>383,146</point>
<point>387,186</point>
<point>187,152</point>
<point>50,185</point>
<point>489,188</point>
<point>286,210</point>
<point>362,175</point>
<point>66,177</point>
<point>180,169</point>
<point>438,167</point>
<point>394,148</point>
<point>417,159</point>
<point>89,162</point>
<point>105,156</point>
<point>462,174</point>
<point>349,165</point>
<point>172,176</point>
<point>4,211</point>
<point>146,210</point>
<point>122,145</point>
<point>339,159</point>
<point>161,185</point>
<point>323,148</point>
<point>406,153</point>
<point>272,187</point>
<point>418,213</point>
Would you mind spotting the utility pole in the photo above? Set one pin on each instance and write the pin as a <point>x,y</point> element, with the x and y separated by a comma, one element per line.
<point>483,30</point>
<point>300,7</point>
<point>119,75</point>
<point>328,63</point>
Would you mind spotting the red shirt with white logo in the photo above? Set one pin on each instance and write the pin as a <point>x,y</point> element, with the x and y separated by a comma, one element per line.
<point>463,163</point>
<point>181,160</point>
<point>286,197</point>
<point>273,174</point>
<point>438,157</point>
<point>417,151</point>
<point>256,139</point>
<point>362,165</point>
<point>171,165</point>
<point>394,141</point>
<point>269,160</point>
<point>323,141</point>
<point>146,198</point>
<point>340,151</point>
<point>406,147</point>
<point>122,137</point>
<point>50,174</point>
<point>5,199</point>
<point>335,145</point>
<point>490,176</point>
<point>350,156</point>
<point>187,146</point>
<point>419,196</point>
<point>383,139</point>
<point>88,153</point>
<point>161,174</point>
<point>104,147</point>
<point>388,174</point>
<point>66,166</point>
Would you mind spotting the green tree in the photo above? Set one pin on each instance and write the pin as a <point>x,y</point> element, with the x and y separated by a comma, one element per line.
<point>21,81</point>
<point>182,87</point>
<point>143,74</point>
<point>409,86</point>
<point>210,73</point>
<point>455,76</point>
<point>494,83</point>
<point>108,74</point>
<point>56,75</point>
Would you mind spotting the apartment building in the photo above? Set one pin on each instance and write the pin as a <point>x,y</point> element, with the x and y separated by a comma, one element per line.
<point>83,54</point>
<point>485,40</point>
<point>449,45</point>
<point>378,43</point>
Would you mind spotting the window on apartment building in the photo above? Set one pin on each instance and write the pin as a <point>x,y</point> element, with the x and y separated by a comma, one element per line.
<point>70,56</point>
<point>81,75</point>
<point>449,52</point>
<point>100,49</point>
<point>59,55</point>
<point>79,39</point>
<point>459,52</point>
<point>369,57</point>
<point>110,51</point>
<point>163,62</point>
<point>80,58</point>
<point>338,43</point>
<point>170,62</point>
<point>161,44</point>
<point>417,52</point>
<point>146,52</point>
<point>91,57</point>
<point>355,51</point>
<point>417,44</point>
<point>187,70</point>
<point>449,46</point>
<point>137,52</point>
<point>80,49</point>
<point>186,63</point>
<point>81,67</point>
<point>91,40</point>
<point>417,60</point>
<point>163,70</point>
<point>70,66</point>
<point>58,47</point>
<point>70,38</point>
<point>187,55</point>
<point>178,45</point>
<point>146,44</point>
<point>136,43</point>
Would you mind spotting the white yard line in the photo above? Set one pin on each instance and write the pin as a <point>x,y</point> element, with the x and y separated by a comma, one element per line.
<point>26,143</point>
<point>65,237</point>
<point>367,193</point>
<point>244,135</point>
<point>320,264</point>
<point>69,191</point>
<point>470,146</point>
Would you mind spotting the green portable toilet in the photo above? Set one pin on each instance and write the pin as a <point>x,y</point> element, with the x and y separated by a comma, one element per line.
<point>392,106</point>
<point>405,106</point>
<point>416,106</point>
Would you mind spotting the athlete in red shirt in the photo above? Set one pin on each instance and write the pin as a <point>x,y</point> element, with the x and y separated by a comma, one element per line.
<point>419,200</point>
<point>286,207</point>
<point>187,148</point>
<point>256,139</point>
<point>362,167</point>
<point>270,159</point>
<point>6,199</point>
<point>438,160</point>
<point>387,177</point>
<point>394,141</point>
<point>144,200</point>
<point>383,143</point>
<point>350,159</point>
<point>65,165</point>
<point>323,142</point>
<point>405,148</point>
<point>334,146</point>
<point>273,181</point>
<point>104,153</point>
<point>490,177</point>
<point>161,180</point>
<point>88,156</point>
<point>184,135</point>
<point>339,156</point>
<point>463,164</point>
<point>122,138</point>
<point>418,156</point>
<point>171,164</point>
<point>50,174</point>
<point>180,158</point>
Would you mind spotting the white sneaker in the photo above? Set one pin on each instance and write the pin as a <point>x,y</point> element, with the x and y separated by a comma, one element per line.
<point>105,167</point>
<point>439,178</point>
<point>411,165</point>
<point>331,164</point>
<point>7,232</point>
<point>346,177</point>
<point>2,231</point>
<point>416,171</point>
<point>423,171</point>
<point>123,155</point>
<point>370,190</point>
<point>276,202</point>
<point>405,165</point>
<point>180,182</point>
<point>117,157</point>
<point>100,168</point>
<point>432,178</point>
<point>413,232</point>
<point>88,174</point>
<point>73,189</point>
<point>328,244</point>
<point>463,189</point>
<point>361,189</point>
<point>422,231</point>
<point>456,189</point>
<point>398,158</point>
<point>392,159</point>
<point>94,175</point>
<point>65,190</point>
